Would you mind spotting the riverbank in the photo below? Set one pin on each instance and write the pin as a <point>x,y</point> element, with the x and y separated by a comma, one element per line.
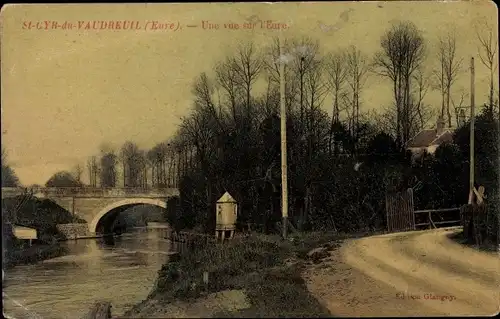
<point>257,276</point>
<point>33,254</point>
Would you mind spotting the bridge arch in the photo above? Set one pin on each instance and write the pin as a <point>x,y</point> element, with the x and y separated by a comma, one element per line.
<point>123,203</point>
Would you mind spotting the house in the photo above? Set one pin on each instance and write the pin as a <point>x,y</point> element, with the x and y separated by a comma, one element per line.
<point>430,139</point>
<point>22,232</point>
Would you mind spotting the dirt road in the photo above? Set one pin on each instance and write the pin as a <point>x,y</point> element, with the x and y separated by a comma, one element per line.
<point>407,274</point>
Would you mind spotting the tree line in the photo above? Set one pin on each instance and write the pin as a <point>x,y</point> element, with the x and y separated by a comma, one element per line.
<point>340,166</point>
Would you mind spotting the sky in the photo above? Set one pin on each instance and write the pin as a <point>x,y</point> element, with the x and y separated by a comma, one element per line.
<point>67,91</point>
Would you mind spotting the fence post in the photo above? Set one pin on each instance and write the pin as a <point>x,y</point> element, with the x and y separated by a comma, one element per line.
<point>412,208</point>
<point>387,211</point>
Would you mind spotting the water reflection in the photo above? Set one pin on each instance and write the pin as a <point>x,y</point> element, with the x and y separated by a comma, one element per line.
<point>120,269</point>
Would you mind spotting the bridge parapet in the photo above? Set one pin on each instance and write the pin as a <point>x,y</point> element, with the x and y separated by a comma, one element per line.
<point>91,192</point>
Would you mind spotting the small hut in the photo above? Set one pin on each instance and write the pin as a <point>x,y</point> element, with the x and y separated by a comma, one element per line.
<point>227,213</point>
<point>24,233</point>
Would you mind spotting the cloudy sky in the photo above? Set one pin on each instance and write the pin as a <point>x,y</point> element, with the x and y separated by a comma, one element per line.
<point>64,92</point>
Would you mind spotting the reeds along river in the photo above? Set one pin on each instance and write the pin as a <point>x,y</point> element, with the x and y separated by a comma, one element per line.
<point>121,270</point>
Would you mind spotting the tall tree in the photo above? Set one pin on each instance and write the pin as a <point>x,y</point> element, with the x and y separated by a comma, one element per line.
<point>133,164</point>
<point>449,68</point>
<point>304,56</point>
<point>272,61</point>
<point>227,78</point>
<point>247,65</point>
<point>420,112</point>
<point>402,54</point>
<point>93,170</point>
<point>78,172</point>
<point>336,67</point>
<point>108,161</point>
<point>488,45</point>
<point>357,68</point>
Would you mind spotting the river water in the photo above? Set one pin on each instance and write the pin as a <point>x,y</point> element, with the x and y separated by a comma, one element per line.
<point>121,270</point>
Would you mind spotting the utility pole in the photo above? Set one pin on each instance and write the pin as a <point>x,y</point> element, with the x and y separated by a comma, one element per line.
<point>284,177</point>
<point>471,160</point>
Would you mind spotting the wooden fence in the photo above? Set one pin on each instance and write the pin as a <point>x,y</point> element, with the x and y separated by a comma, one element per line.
<point>431,223</point>
<point>399,209</point>
<point>183,242</point>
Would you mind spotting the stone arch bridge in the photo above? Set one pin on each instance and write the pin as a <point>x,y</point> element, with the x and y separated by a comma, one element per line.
<point>98,206</point>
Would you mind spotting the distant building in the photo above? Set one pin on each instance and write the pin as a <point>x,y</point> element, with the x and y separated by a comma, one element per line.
<point>23,232</point>
<point>430,139</point>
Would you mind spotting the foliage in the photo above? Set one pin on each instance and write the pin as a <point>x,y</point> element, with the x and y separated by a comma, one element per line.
<point>62,179</point>
<point>340,166</point>
<point>41,214</point>
<point>108,169</point>
<point>402,54</point>
<point>265,267</point>
<point>486,135</point>
<point>9,177</point>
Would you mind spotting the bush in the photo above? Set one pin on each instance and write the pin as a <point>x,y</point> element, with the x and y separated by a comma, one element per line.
<point>32,254</point>
<point>223,262</point>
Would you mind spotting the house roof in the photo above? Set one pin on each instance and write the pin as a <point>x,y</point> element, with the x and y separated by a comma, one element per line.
<point>23,227</point>
<point>446,137</point>
<point>428,137</point>
<point>226,198</point>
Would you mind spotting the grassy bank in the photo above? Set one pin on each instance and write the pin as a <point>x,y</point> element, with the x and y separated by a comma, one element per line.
<point>33,254</point>
<point>267,268</point>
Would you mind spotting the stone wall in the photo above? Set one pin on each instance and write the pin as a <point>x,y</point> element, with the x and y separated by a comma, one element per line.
<point>73,231</point>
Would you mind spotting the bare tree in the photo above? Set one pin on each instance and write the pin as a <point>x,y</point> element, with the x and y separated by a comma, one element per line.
<point>248,65</point>
<point>272,62</point>
<point>198,131</point>
<point>336,68</point>
<point>487,51</point>
<point>78,172</point>
<point>304,54</point>
<point>357,68</point>
<point>227,78</point>
<point>403,52</point>
<point>459,108</point>
<point>93,170</point>
<point>449,68</point>
<point>203,91</point>
<point>133,163</point>
<point>180,146</point>
<point>315,89</point>
<point>158,157</point>
<point>108,160</point>
<point>420,109</point>
<point>151,161</point>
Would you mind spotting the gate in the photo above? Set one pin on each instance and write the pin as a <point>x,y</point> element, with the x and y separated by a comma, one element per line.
<point>399,210</point>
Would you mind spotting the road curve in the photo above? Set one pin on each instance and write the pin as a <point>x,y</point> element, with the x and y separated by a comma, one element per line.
<point>418,273</point>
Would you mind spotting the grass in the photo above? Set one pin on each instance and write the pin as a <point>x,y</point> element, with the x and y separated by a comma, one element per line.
<point>266,267</point>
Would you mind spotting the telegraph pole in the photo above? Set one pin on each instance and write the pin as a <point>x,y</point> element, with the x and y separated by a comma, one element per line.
<point>284,177</point>
<point>471,160</point>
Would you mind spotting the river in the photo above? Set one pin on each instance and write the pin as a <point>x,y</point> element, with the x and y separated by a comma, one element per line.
<point>121,270</point>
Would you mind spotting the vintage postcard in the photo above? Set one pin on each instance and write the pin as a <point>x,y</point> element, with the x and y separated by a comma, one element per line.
<point>291,159</point>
